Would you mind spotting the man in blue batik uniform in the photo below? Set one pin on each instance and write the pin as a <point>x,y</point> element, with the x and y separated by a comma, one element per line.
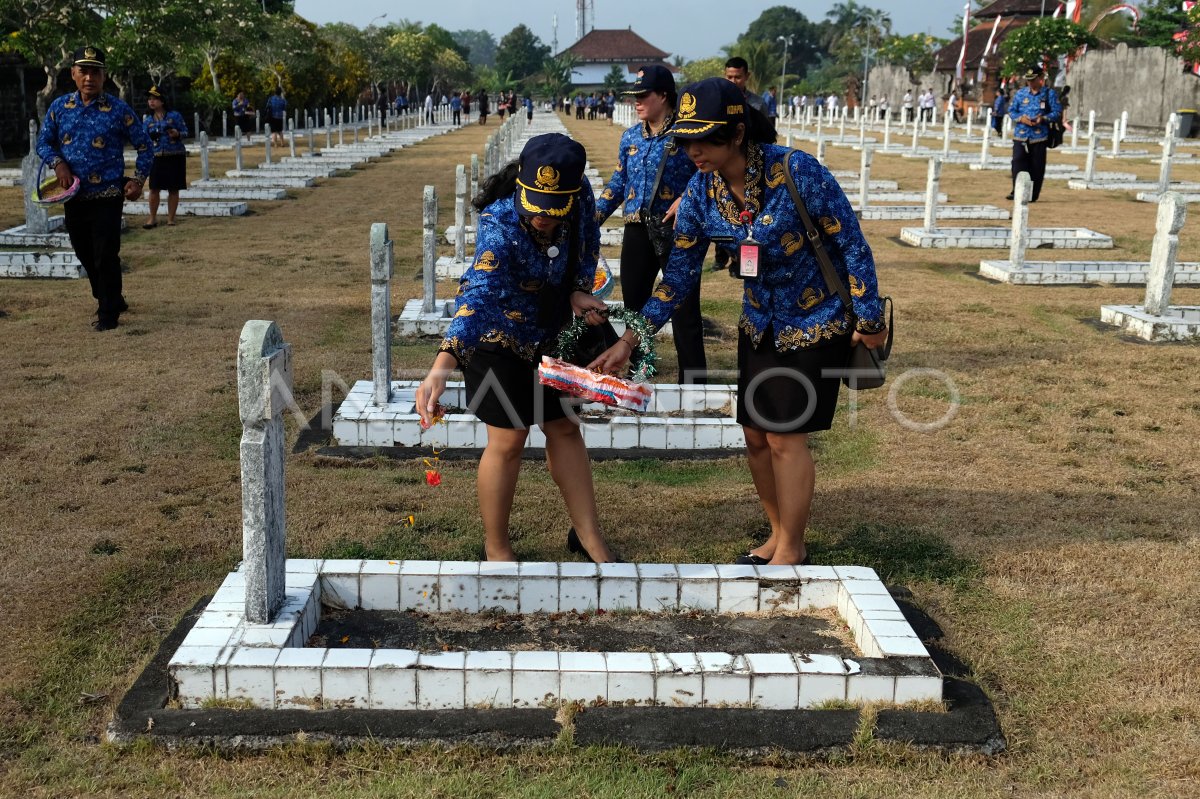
<point>84,134</point>
<point>644,148</point>
<point>1033,108</point>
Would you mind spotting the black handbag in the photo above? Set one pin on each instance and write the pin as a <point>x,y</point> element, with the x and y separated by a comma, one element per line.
<point>866,365</point>
<point>1055,137</point>
<point>554,310</point>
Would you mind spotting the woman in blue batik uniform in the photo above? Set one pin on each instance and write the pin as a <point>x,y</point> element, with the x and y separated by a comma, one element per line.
<point>167,130</point>
<point>535,261</point>
<point>642,150</point>
<point>793,327</point>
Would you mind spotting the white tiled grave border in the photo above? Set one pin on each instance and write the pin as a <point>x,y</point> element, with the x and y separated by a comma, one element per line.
<point>1046,273</point>
<point>998,238</point>
<point>224,657</point>
<point>359,422</point>
<point>1180,323</point>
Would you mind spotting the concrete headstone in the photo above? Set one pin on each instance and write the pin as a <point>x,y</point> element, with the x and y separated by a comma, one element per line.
<point>1172,212</point>
<point>382,267</point>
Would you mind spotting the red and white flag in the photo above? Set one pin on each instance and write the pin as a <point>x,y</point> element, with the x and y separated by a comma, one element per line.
<point>987,50</point>
<point>962,56</point>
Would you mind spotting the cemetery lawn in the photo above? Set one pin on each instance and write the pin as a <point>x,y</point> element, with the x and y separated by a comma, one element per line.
<point>1051,528</point>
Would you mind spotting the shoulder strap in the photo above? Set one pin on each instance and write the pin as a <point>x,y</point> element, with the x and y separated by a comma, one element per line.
<point>662,164</point>
<point>832,280</point>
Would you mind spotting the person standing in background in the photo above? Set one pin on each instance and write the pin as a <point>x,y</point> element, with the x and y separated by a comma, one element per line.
<point>167,130</point>
<point>277,112</point>
<point>84,136</point>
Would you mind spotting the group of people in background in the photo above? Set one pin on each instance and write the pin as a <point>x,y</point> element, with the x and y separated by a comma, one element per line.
<point>596,105</point>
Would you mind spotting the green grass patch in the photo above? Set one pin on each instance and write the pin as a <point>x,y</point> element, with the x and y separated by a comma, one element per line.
<point>899,554</point>
<point>664,473</point>
<point>438,536</point>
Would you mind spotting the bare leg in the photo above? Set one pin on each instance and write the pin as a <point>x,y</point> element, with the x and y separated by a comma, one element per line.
<point>795,479</point>
<point>172,206</point>
<point>496,484</point>
<point>567,458</point>
<point>758,452</point>
<point>155,196</point>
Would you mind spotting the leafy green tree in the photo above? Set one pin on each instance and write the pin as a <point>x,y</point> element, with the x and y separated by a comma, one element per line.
<point>1161,20</point>
<point>915,53</point>
<point>805,50</point>
<point>703,68</point>
<point>222,27</point>
<point>557,75</point>
<point>480,46</point>
<point>520,53</point>
<point>45,33</point>
<point>1041,42</point>
<point>615,79</point>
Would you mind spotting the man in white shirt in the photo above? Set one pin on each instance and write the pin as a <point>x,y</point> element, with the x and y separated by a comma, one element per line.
<point>429,108</point>
<point>908,106</point>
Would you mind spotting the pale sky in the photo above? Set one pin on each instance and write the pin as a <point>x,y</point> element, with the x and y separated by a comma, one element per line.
<point>693,30</point>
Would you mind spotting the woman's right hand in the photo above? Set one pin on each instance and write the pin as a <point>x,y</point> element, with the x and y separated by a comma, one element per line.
<point>614,359</point>
<point>432,388</point>
<point>64,175</point>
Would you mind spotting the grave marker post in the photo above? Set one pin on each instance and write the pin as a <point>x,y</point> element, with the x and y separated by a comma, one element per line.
<point>37,217</point>
<point>382,267</point>
<point>987,140</point>
<point>1091,123</point>
<point>224,123</point>
<point>203,156</point>
<point>264,392</point>
<point>887,131</point>
<point>1116,141</point>
<point>1022,193</point>
<point>267,146</point>
<point>864,178</point>
<point>429,214</point>
<point>862,131</point>
<point>1124,124</point>
<point>196,123</point>
<point>237,147</point>
<point>1168,151</point>
<point>474,190</point>
<point>312,134</point>
<point>1075,132</point>
<point>257,121</point>
<point>946,135</point>
<point>1172,212</point>
<point>1089,168</point>
<point>292,137</point>
<point>821,150</point>
<point>932,180</point>
<point>970,121</point>
<point>915,138</point>
<point>460,213</point>
<point>842,126</point>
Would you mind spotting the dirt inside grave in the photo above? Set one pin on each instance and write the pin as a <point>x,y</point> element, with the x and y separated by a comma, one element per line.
<point>821,631</point>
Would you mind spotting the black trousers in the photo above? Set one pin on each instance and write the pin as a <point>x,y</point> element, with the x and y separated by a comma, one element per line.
<point>640,266</point>
<point>1029,157</point>
<point>94,227</point>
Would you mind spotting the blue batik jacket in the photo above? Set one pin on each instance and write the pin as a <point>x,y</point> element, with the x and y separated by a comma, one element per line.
<point>157,130</point>
<point>789,295</point>
<point>497,303</point>
<point>1030,104</point>
<point>633,180</point>
<point>91,139</point>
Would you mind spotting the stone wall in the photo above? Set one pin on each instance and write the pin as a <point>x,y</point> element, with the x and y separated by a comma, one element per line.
<point>1148,82</point>
<point>1108,81</point>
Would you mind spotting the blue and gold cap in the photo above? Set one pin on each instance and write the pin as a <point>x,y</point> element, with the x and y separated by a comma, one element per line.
<point>88,56</point>
<point>550,176</point>
<point>154,92</point>
<point>707,105</point>
<point>652,78</point>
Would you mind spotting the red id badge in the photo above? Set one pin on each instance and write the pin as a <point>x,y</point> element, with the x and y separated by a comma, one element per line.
<point>748,254</point>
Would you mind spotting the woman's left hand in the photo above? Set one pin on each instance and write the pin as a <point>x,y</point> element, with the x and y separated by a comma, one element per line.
<point>593,310</point>
<point>670,215</point>
<point>871,340</point>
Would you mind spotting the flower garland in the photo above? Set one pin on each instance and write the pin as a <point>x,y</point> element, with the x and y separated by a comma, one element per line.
<point>644,357</point>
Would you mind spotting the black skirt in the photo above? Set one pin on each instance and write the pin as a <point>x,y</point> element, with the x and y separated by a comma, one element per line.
<point>785,392</point>
<point>169,173</point>
<point>503,391</point>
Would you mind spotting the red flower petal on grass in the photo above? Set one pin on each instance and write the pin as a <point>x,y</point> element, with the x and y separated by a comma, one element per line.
<point>433,477</point>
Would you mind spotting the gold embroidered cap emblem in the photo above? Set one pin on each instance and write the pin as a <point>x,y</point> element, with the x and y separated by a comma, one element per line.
<point>687,106</point>
<point>89,52</point>
<point>547,179</point>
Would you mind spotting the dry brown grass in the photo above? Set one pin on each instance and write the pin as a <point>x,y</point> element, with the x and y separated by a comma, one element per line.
<point>1069,476</point>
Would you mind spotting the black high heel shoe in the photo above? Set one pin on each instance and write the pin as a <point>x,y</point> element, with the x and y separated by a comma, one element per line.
<point>575,546</point>
<point>750,559</point>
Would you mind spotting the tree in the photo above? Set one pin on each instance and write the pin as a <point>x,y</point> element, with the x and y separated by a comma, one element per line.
<point>915,53</point>
<point>703,68</point>
<point>520,53</point>
<point>764,59</point>
<point>805,50</point>
<point>557,75</point>
<point>1161,20</point>
<point>615,79</point>
<point>1040,43</point>
<point>480,46</point>
<point>223,26</point>
<point>45,33</point>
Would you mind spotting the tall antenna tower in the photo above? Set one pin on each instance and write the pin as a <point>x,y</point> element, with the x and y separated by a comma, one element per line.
<point>585,17</point>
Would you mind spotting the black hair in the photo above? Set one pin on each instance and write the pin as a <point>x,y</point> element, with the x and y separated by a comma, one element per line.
<point>163,99</point>
<point>737,62</point>
<point>501,184</point>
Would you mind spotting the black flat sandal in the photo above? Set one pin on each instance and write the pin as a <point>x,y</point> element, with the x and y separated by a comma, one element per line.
<point>575,546</point>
